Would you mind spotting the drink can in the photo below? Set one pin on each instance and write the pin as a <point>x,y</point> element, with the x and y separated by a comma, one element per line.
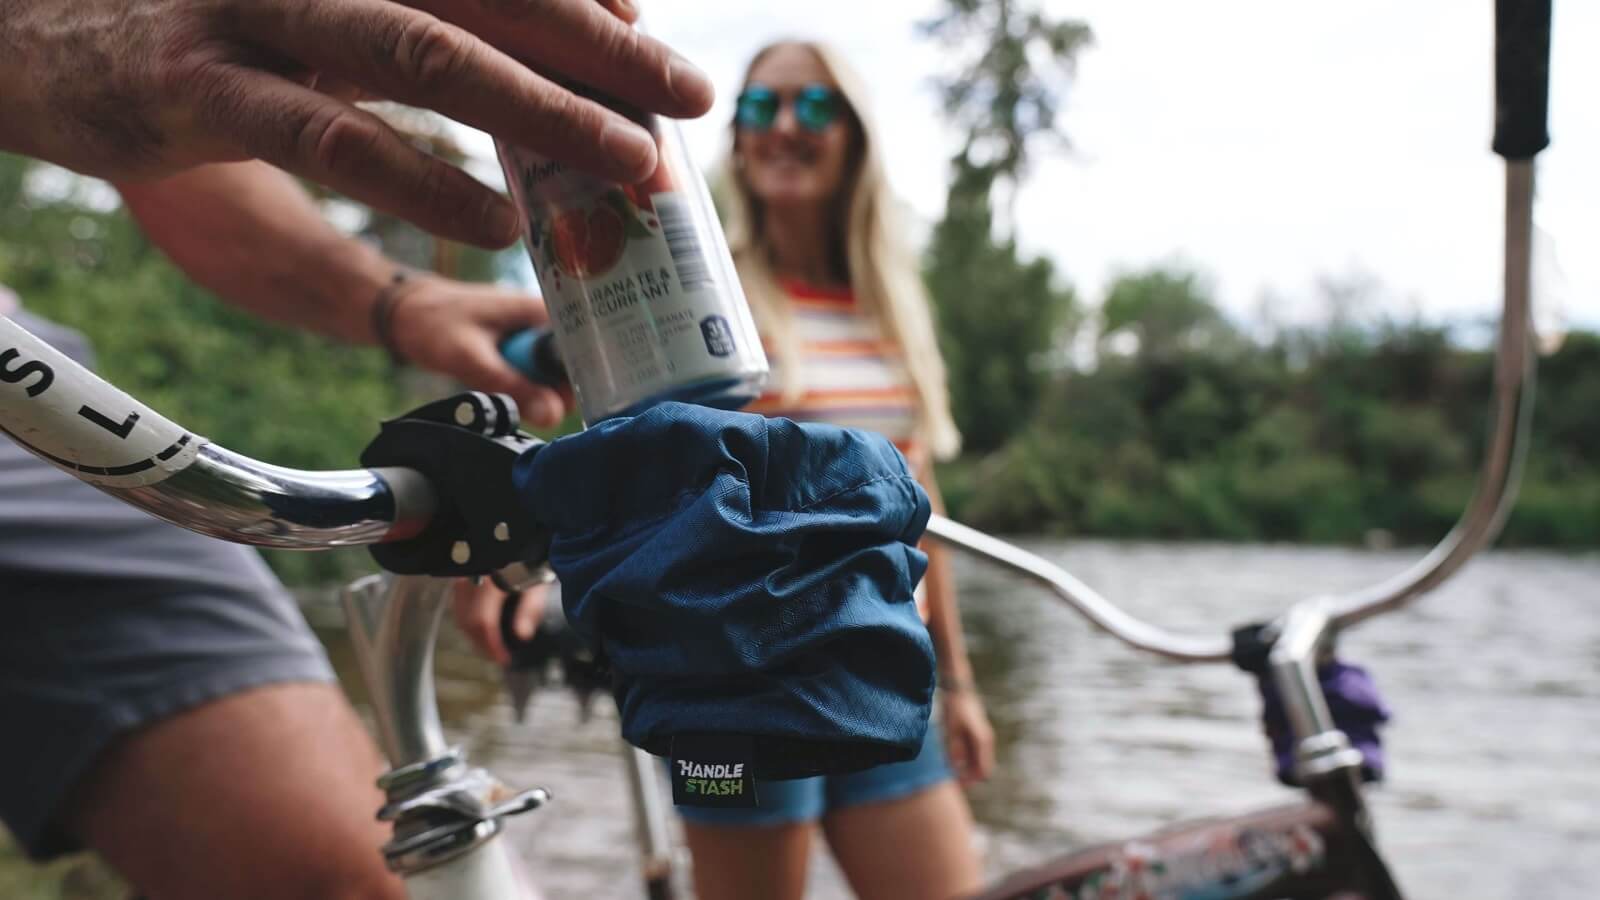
<point>645,304</point>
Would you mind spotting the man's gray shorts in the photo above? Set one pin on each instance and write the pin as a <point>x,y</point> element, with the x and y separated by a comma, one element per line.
<point>111,620</point>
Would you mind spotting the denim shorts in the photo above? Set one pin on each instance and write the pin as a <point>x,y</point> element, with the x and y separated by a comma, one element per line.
<point>809,799</point>
<point>113,621</point>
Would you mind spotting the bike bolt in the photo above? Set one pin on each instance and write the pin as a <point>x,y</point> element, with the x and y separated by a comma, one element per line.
<point>502,532</point>
<point>460,553</point>
<point>465,414</point>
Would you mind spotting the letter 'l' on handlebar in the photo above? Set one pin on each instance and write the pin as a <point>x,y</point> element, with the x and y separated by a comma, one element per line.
<point>95,432</point>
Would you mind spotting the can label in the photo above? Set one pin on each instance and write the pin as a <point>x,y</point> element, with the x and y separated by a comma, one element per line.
<point>641,303</point>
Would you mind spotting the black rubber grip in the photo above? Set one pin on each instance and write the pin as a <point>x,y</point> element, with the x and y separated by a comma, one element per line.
<point>1521,77</point>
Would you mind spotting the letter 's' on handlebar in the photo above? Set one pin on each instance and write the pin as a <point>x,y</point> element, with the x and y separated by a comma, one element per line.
<point>68,416</point>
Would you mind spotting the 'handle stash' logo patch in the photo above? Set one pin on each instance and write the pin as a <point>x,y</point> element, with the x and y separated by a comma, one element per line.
<point>713,770</point>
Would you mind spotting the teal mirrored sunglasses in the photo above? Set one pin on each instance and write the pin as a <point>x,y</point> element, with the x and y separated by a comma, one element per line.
<point>816,106</point>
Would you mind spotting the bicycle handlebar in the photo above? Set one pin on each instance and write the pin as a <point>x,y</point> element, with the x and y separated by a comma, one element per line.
<point>87,427</point>
<point>233,497</point>
<point>1101,612</point>
<point>1495,494</point>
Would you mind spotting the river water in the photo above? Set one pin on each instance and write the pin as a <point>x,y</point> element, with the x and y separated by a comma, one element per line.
<point>1494,754</point>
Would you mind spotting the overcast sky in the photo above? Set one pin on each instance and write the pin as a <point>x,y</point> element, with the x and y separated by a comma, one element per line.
<point>1267,143</point>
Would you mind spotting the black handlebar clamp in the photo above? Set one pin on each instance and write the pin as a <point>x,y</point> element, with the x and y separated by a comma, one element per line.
<point>465,446</point>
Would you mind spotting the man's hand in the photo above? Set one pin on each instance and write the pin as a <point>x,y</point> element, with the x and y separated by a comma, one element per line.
<point>132,91</point>
<point>455,328</point>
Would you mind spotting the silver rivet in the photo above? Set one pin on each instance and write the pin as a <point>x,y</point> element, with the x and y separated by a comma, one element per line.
<point>502,532</point>
<point>460,553</point>
<point>465,414</point>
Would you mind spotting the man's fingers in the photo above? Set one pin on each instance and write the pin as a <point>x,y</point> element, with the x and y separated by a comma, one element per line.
<point>622,9</point>
<point>486,370</point>
<point>509,311</point>
<point>415,58</point>
<point>356,153</point>
<point>590,43</point>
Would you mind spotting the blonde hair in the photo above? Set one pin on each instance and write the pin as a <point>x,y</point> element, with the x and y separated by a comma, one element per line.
<point>884,275</point>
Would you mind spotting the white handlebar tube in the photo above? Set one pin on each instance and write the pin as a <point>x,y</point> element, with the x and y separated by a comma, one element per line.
<point>90,429</point>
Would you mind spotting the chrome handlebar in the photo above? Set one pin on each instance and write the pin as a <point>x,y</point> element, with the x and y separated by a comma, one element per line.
<point>1097,609</point>
<point>1493,498</point>
<point>235,498</point>
<point>1507,448</point>
<point>90,429</point>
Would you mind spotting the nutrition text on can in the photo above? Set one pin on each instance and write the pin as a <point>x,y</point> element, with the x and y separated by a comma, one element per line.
<point>643,296</point>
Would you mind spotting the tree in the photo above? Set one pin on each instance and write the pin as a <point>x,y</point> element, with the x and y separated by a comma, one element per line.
<point>1000,315</point>
<point>1169,311</point>
<point>289,397</point>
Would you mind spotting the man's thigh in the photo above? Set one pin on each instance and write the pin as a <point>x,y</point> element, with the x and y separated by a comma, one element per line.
<point>269,793</point>
<point>163,699</point>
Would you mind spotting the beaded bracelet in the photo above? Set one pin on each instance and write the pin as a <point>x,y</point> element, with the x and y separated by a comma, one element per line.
<point>383,309</point>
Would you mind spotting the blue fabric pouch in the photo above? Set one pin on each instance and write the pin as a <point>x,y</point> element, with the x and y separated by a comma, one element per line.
<point>745,577</point>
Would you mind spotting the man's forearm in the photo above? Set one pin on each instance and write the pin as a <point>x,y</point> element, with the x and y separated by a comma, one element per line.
<point>251,234</point>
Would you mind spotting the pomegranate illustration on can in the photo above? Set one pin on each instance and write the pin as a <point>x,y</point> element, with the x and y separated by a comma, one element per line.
<point>644,301</point>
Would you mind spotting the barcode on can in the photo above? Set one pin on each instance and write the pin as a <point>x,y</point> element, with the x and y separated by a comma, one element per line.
<point>677,225</point>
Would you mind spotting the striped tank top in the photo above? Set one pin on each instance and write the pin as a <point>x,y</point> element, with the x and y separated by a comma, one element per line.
<point>853,375</point>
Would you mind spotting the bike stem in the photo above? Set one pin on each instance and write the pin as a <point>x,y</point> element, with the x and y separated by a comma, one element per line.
<point>1322,751</point>
<point>446,813</point>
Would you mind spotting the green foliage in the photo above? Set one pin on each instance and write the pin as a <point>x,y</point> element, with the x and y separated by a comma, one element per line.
<point>1001,316</point>
<point>1167,312</point>
<point>279,395</point>
<point>1006,94</point>
<point>1323,437</point>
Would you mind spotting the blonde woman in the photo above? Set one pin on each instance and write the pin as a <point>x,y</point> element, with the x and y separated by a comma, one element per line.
<point>847,325</point>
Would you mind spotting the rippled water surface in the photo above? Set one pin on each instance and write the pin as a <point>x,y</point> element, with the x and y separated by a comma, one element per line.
<point>1494,787</point>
